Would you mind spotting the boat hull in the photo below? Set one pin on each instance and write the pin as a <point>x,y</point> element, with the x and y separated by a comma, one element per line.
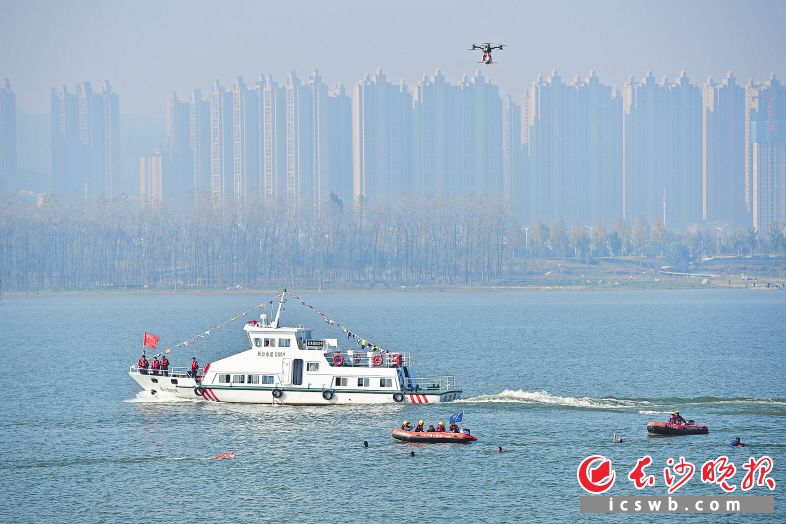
<point>186,387</point>
<point>432,436</point>
<point>664,428</point>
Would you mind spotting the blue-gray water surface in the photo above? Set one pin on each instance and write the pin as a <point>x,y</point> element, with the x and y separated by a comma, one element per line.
<point>548,375</point>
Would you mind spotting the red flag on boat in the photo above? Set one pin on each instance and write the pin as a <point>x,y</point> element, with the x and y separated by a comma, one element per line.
<point>151,340</point>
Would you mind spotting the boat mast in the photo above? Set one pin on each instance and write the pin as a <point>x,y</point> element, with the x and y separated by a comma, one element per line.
<point>280,307</point>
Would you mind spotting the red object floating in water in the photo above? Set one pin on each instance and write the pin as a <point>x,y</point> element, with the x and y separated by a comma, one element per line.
<point>229,455</point>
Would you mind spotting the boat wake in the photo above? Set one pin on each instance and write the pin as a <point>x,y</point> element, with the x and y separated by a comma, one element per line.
<point>645,406</point>
<point>145,397</point>
<point>512,396</point>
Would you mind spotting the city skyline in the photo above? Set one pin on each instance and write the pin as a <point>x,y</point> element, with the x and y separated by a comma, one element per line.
<point>669,151</point>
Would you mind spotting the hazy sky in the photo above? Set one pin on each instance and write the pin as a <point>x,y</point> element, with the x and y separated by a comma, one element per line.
<point>148,49</point>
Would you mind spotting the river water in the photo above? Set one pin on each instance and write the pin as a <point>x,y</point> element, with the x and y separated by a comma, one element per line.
<point>548,376</point>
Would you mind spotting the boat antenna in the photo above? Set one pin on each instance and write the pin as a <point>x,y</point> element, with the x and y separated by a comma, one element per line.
<point>280,307</point>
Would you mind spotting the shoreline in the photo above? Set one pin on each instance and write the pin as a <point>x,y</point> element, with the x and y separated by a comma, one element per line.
<point>627,286</point>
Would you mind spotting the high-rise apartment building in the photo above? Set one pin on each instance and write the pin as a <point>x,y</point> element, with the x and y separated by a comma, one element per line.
<point>8,159</point>
<point>382,139</point>
<point>199,143</point>
<point>767,153</point>
<point>574,140</point>
<point>151,180</point>
<point>68,158</point>
<point>662,151</point>
<point>307,151</point>
<point>179,181</point>
<point>437,128</point>
<point>221,146</point>
<point>481,166</point>
<point>273,142</point>
<point>246,154</point>
<point>723,153</point>
<point>340,144</point>
<point>85,140</point>
<point>512,155</point>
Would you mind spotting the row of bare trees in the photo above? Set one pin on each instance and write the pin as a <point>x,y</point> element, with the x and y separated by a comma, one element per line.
<point>54,244</point>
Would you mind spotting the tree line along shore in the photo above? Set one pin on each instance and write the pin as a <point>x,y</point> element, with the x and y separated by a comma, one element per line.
<point>57,245</point>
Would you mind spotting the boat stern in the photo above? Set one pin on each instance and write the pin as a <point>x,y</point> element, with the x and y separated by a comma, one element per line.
<point>431,390</point>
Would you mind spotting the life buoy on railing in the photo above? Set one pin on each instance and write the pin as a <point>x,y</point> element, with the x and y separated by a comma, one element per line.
<point>356,358</point>
<point>398,397</point>
<point>277,393</point>
<point>198,391</point>
<point>327,394</point>
<point>396,358</point>
<point>338,360</point>
<point>377,359</point>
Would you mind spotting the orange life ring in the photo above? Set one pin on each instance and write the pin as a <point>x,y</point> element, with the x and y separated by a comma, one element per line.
<point>338,360</point>
<point>377,359</point>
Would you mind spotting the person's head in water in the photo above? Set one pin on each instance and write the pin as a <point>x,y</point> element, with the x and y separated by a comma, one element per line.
<point>737,440</point>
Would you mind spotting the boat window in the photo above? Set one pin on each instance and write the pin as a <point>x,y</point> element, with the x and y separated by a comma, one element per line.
<point>283,342</point>
<point>238,379</point>
<point>270,342</point>
<point>258,342</point>
<point>174,381</point>
<point>386,382</point>
<point>312,366</point>
<point>253,379</point>
<point>362,382</point>
<point>267,379</point>
<point>341,381</point>
<point>223,379</point>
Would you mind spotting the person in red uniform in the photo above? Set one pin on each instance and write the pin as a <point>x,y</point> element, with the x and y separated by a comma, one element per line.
<point>142,364</point>
<point>441,427</point>
<point>164,365</point>
<point>419,427</point>
<point>677,419</point>
<point>156,365</point>
<point>454,428</point>
<point>194,367</point>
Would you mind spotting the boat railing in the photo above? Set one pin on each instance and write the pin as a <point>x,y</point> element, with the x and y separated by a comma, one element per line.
<point>431,384</point>
<point>368,359</point>
<point>175,372</point>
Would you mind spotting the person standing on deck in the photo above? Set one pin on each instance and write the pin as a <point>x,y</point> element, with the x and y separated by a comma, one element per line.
<point>194,367</point>
<point>142,364</point>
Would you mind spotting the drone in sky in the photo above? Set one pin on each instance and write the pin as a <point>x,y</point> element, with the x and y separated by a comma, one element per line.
<point>487,48</point>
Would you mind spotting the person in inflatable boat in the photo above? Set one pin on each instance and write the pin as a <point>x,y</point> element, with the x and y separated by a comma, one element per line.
<point>676,418</point>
